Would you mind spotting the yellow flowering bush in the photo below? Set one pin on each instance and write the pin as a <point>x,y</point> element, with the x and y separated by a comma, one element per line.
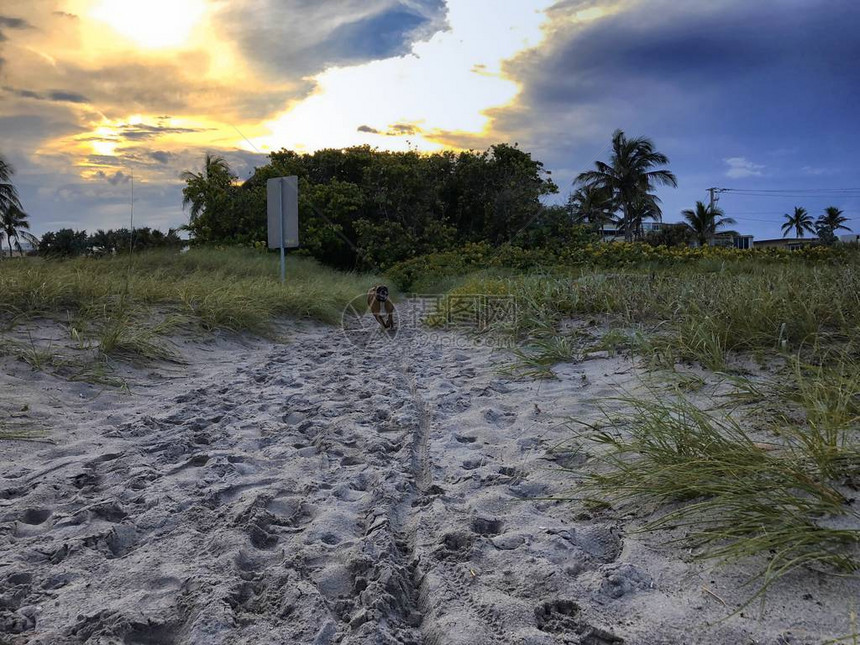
<point>477,256</point>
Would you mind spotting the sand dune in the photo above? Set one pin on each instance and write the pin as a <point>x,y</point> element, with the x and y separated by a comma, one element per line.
<point>317,492</point>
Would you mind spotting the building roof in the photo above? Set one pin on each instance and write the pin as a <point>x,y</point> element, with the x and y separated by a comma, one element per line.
<point>790,240</point>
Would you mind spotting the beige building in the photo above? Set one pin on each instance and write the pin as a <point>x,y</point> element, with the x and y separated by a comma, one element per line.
<point>790,243</point>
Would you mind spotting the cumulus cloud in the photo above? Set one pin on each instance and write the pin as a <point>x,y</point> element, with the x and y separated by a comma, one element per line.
<point>297,38</point>
<point>740,167</point>
<point>119,177</point>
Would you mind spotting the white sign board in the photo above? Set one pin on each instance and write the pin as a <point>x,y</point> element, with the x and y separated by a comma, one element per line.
<point>282,203</point>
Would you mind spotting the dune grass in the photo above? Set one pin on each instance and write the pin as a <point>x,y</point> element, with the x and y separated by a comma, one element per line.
<point>731,496</point>
<point>704,311</point>
<point>124,306</point>
<point>773,477</point>
<point>20,434</point>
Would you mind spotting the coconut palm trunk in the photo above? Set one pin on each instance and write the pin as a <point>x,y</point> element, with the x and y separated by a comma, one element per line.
<point>628,225</point>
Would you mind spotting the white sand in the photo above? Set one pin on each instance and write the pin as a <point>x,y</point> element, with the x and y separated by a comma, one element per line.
<point>311,492</point>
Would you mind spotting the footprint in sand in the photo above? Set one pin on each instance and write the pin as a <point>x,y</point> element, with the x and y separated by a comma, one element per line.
<point>35,516</point>
<point>499,418</point>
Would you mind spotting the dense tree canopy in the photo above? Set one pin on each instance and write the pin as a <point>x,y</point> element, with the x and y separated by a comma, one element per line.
<point>371,208</point>
<point>69,243</point>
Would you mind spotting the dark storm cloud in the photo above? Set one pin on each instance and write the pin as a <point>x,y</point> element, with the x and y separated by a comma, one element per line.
<point>45,121</point>
<point>118,177</point>
<point>297,38</point>
<point>61,96</point>
<point>68,97</point>
<point>750,62</point>
<point>143,132</point>
<point>394,130</point>
<point>160,156</point>
<point>709,82</point>
<point>8,22</point>
<point>14,23</point>
<point>697,49</point>
<point>379,36</point>
<point>25,94</point>
<point>399,129</point>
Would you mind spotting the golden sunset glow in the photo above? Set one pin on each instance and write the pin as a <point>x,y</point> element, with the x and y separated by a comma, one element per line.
<point>103,141</point>
<point>153,24</point>
<point>593,13</point>
<point>442,89</point>
<point>444,86</point>
<point>149,86</point>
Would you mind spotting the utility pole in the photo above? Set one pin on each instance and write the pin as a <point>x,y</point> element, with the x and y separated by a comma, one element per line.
<point>713,198</point>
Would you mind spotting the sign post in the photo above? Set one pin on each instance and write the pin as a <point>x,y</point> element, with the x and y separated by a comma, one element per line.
<point>282,204</point>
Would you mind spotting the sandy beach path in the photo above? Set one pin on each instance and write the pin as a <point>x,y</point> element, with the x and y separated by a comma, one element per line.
<point>316,492</point>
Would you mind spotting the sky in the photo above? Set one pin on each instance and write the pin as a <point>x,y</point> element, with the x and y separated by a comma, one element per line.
<point>760,97</point>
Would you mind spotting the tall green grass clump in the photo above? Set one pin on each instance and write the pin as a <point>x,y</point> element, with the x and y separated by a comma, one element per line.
<point>702,311</point>
<point>236,288</point>
<point>731,496</point>
<point>125,303</point>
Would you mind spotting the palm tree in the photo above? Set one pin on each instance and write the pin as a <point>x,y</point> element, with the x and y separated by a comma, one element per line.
<point>631,174</point>
<point>591,205</point>
<point>203,189</point>
<point>705,221</point>
<point>645,206</point>
<point>833,220</point>
<point>8,193</point>
<point>801,222</point>
<point>13,220</point>
<point>14,224</point>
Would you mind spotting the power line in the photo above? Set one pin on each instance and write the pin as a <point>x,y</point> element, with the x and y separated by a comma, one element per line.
<point>780,190</point>
<point>781,193</point>
<point>792,192</point>
<point>771,221</point>
<point>778,216</point>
